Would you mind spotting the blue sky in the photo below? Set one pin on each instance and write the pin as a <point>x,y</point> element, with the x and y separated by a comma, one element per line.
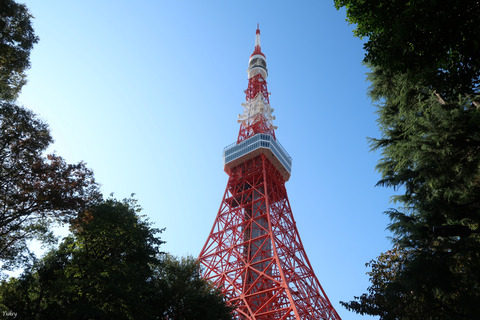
<point>147,93</point>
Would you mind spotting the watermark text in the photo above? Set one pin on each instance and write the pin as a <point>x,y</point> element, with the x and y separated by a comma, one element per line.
<point>9,314</point>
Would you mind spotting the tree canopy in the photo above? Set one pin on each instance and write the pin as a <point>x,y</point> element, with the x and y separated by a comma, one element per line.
<point>17,38</point>
<point>111,267</point>
<point>36,190</point>
<point>438,42</point>
<point>185,294</point>
<point>425,71</point>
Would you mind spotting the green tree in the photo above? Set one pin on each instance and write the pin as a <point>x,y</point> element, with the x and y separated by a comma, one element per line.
<point>111,267</point>
<point>17,38</point>
<point>102,271</point>
<point>185,294</point>
<point>35,190</point>
<point>425,83</point>
<point>437,42</point>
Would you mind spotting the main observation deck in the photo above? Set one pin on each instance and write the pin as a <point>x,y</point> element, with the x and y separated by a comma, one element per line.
<point>260,143</point>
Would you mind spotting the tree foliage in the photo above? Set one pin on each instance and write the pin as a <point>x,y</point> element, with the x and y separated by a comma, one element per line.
<point>437,41</point>
<point>185,294</point>
<point>431,150</point>
<point>111,267</point>
<point>101,271</point>
<point>17,38</point>
<point>425,75</point>
<point>35,190</point>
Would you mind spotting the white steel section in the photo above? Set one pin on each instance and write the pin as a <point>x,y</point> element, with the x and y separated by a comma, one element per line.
<point>254,107</point>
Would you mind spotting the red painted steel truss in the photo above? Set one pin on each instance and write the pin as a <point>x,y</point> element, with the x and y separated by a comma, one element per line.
<point>256,125</point>
<point>254,253</point>
<point>257,84</point>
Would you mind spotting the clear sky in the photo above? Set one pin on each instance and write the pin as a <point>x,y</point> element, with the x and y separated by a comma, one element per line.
<point>147,93</point>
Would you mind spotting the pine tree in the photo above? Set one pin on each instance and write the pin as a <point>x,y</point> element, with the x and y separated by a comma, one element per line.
<point>425,75</point>
<point>431,152</point>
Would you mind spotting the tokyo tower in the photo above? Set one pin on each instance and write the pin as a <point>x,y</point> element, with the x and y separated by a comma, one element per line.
<point>254,254</point>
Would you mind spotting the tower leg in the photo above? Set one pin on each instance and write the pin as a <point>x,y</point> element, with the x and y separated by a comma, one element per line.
<point>254,253</point>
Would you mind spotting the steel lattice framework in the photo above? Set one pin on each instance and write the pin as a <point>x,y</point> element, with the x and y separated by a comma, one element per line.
<point>254,253</point>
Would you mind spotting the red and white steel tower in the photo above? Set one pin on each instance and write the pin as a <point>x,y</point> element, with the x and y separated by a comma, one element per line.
<point>254,253</point>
